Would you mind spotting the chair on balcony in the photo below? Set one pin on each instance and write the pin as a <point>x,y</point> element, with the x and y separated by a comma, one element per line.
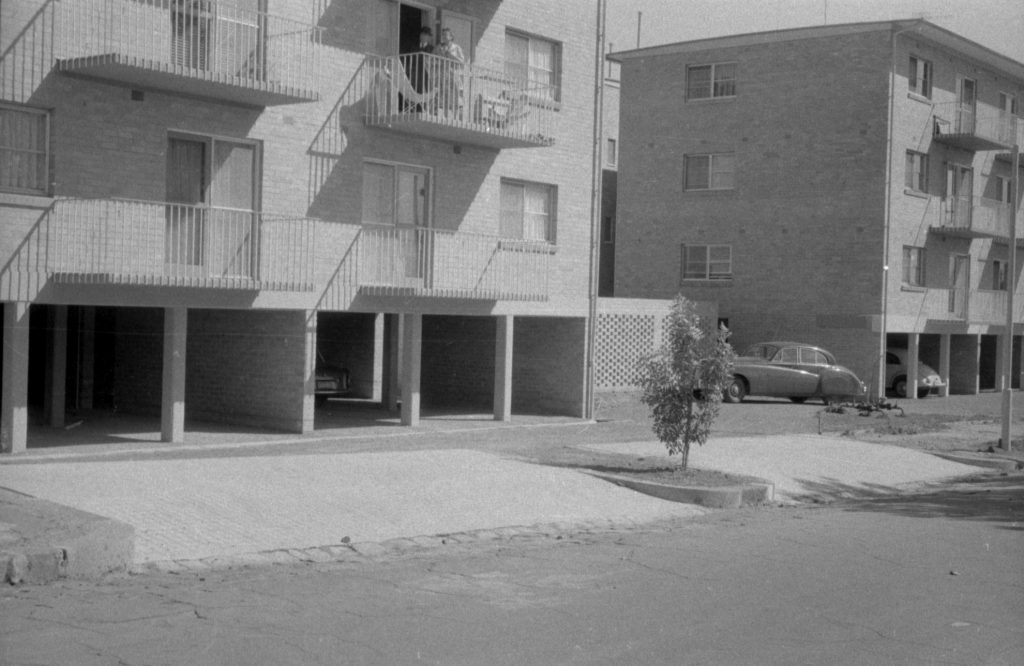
<point>504,112</point>
<point>392,93</point>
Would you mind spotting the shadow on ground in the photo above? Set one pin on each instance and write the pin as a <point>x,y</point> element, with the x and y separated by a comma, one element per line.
<point>983,498</point>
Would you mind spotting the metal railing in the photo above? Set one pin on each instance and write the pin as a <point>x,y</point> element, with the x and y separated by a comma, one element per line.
<point>456,264</point>
<point>977,214</point>
<point>124,241</point>
<point>210,39</point>
<point>430,88</point>
<point>982,121</point>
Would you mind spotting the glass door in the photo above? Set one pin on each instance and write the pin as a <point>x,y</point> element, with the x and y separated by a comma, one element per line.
<point>968,100</point>
<point>185,227</point>
<point>959,279</point>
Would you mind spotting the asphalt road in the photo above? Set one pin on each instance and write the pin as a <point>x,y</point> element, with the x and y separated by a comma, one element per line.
<point>926,579</point>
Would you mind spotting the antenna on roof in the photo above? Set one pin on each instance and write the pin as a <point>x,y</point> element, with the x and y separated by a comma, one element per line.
<point>639,19</point>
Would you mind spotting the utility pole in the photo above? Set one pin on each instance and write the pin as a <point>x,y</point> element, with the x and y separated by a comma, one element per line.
<point>1011,287</point>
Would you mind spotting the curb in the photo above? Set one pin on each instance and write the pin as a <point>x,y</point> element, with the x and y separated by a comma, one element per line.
<point>42,541</point>
<point>981,460</point>
<point>715,497</point>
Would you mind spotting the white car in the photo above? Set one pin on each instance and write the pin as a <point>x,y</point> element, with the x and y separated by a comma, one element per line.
<point>928,381</point>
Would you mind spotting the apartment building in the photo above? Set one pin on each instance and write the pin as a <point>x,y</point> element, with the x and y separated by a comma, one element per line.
<point>846,185</point>
<point>203,201</point>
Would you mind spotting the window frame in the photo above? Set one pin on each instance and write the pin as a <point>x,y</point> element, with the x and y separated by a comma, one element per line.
<point>920,76</point>
<point>551,231</point>
<point>556,56</point>
<point>611,152</point>
<point>711,172</point>
<point>1000,274</point>
<point>914,273</point>
<point>45,151</point>
<point>708,274</point>
<point>916,173</point>
<point>713,81</point>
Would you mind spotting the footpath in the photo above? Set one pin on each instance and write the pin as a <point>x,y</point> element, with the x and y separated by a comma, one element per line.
<point>83,511</point>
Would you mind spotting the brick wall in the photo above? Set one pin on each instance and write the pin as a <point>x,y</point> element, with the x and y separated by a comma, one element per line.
<point>548,366</point>
<point>138,360</point>
<point>246,367</point>
<point>458,362</point>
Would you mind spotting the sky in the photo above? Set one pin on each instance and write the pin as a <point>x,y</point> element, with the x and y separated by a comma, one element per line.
<point>996,24</point>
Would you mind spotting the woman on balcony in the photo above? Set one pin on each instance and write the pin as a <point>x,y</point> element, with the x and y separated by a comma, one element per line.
<point>452,68</point>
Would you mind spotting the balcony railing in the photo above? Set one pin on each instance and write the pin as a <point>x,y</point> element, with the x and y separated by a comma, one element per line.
<point>414,261</point>
<point>117,241</point>
<point>973,217</point>
<point>973,127</point>
<point>440,98</point>
<point>208,48</point>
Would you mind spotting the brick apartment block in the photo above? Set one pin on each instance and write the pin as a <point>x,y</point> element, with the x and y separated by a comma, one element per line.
<point>846,185</point>
<point>202,200</point>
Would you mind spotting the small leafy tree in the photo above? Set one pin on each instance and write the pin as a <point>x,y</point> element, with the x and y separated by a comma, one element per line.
<point>683,381</point>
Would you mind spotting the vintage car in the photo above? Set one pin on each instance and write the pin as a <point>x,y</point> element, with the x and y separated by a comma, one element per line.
<point>332,381</point>
<point>793,370</point>
<point>928,381</point>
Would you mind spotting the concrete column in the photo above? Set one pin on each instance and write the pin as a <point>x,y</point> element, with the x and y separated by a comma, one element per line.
<point>87,357</point>
<point>944,347</point>
<point>309,374</point>
<point>391,391</point>
<point>412,345</point>
<point>912,352</point>
<point>172,408</point>
<point>14,398</point>
<point>503,369</point>
<point>379,347</point>
<point>55,399</point>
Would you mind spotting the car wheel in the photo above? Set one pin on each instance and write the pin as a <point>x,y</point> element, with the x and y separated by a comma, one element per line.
<point>899,387</point>
<point>798,399</point>
<point>736,391</point>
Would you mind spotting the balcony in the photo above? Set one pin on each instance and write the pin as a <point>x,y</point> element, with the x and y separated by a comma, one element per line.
<point>437,98</point>
<point>436,263</point>
<point>122,242</point>
<point>202,48</point>
<point>970,128</point>
<point>973,217</point>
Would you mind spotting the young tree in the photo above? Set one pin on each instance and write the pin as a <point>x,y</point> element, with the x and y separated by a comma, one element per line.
<point>684,380</point>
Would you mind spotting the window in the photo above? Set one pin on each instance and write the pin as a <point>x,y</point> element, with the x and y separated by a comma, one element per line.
<point>919,79</point>
<point>710,81</point>
<point>913,266</point>
<point>810,356</point>
<point>709,172</point>
<point>528,211</point>
<point>611,155</point>
<point>212,193</point>
<point>1003,189</point>
<point>917,171</point>
<point>396,194</point>
<point>24,150</point>
<point>999,274</point>
<point>536,61</point>
<point>707,262</point>
<point>1008,103</point>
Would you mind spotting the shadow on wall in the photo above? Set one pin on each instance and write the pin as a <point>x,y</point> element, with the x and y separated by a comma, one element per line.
<point>30,57</point>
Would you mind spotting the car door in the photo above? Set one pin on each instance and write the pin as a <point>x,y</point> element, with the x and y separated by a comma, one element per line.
<point>785,375</point>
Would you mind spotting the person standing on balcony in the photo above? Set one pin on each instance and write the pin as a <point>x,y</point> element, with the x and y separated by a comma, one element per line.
<point>452,72</point>
<point>416,64</point>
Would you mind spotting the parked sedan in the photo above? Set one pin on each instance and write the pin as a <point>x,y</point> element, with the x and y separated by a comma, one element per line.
<point>331,381</point>
<point>793,370</point>
<point>928,381</point>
